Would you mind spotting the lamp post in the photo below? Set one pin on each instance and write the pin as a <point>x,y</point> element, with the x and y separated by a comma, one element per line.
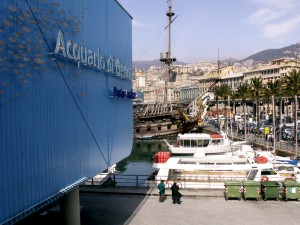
<point>286,111</point>
<point>228,102</point>
<point>233,116</point>
<point>280,119</point>
<point>274,131</point>
<point>296,126</point>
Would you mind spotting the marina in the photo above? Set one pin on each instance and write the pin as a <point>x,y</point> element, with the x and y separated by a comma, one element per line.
<point>88,137</point>
<point>211,171</point>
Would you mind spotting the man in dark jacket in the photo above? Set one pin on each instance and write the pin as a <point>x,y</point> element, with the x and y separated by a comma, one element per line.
<point>176,195</point>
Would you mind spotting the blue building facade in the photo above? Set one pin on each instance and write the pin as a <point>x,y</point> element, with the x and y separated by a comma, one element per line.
<point>65,97</point>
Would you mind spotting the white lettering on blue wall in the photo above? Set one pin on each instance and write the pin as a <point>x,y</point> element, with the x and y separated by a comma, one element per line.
<point>93,59</point>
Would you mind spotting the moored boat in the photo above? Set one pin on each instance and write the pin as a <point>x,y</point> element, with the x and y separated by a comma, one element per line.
<point>202,143</point>
<point>161,128</point>
<point>212,170</point>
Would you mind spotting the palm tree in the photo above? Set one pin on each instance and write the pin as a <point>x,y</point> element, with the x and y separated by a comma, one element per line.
<point>274,90</point>
<point>256,93</point>
<point>225,92</point>
<point>243,92</point>
<point>266,100</point>
<point>292,84</point>
<point>233,97</point>
<point>218,94</point>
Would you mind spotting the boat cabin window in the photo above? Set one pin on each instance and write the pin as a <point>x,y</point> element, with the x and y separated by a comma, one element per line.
<point>200,143</point>
<point>186,143</point>
<point>215,142</point>
<point>268,172</point>
<point>205,143</point>
<point>193,143</point>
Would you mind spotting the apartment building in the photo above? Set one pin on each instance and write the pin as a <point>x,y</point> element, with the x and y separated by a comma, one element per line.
<point>230,75</point>
<point>273,70</point>
<point>188,87</point>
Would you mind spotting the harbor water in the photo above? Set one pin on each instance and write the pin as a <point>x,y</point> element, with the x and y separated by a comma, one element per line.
<point>139,162</point>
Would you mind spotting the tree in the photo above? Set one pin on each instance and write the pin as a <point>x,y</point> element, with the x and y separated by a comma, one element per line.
<point>233,97</point>
<point>274,89</point>
<point>218,94</point>
<point>266,96</point>
<point>292,83</point>
<point>225,92</point>
<point>292,87</point>
<point>243,92</point>
<point>256,93</point>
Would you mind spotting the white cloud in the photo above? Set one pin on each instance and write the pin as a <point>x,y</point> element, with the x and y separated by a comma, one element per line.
<point>275,18</point>
<point>279,30</point>
<point>279,4</point>
<point>262,16</point>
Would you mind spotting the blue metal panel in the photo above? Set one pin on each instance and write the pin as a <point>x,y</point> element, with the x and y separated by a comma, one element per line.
<point>58,123</point>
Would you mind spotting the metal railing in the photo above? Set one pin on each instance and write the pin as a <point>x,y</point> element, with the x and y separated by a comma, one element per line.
<point>198,181</point>
<point>286,147</point>
<point>120,180</point>
<point>187,181</point>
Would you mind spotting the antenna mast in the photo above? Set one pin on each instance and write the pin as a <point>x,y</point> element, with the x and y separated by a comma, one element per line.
<point>166,58</point>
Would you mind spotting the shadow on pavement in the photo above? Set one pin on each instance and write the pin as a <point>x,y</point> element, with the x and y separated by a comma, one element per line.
<point>106,207</point>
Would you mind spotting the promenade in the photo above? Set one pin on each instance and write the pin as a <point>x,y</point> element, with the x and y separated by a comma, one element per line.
<point>207,207</point>
<point>140,206</point>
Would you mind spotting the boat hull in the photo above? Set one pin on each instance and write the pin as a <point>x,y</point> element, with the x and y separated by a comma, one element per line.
<point>157,130</point>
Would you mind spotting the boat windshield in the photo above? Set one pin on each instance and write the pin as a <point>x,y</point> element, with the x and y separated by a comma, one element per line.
<point>195,143</point>
<point>252,174</point>
<point>268,172</point>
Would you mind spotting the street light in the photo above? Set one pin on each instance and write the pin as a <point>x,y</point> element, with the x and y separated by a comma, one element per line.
<point>296,126</point>
<point>274,130</point>
<point>280,119</point>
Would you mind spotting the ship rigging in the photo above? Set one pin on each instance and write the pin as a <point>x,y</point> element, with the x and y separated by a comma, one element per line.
<point>165,118</point>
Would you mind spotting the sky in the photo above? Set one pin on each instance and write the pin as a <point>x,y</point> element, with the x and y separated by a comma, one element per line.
<point>202,28</point>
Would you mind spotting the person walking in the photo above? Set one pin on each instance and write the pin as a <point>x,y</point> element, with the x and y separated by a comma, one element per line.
<point>161,189</point>
<point>176,195</point>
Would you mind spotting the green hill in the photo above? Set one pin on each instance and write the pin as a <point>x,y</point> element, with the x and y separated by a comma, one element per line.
<point>270,54</point>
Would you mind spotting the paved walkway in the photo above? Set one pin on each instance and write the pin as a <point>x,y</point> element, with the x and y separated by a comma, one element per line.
<point>140,206</point>
<point>207,207</point>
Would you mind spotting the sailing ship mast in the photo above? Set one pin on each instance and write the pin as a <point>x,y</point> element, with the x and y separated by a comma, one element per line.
<point>167,59</point>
